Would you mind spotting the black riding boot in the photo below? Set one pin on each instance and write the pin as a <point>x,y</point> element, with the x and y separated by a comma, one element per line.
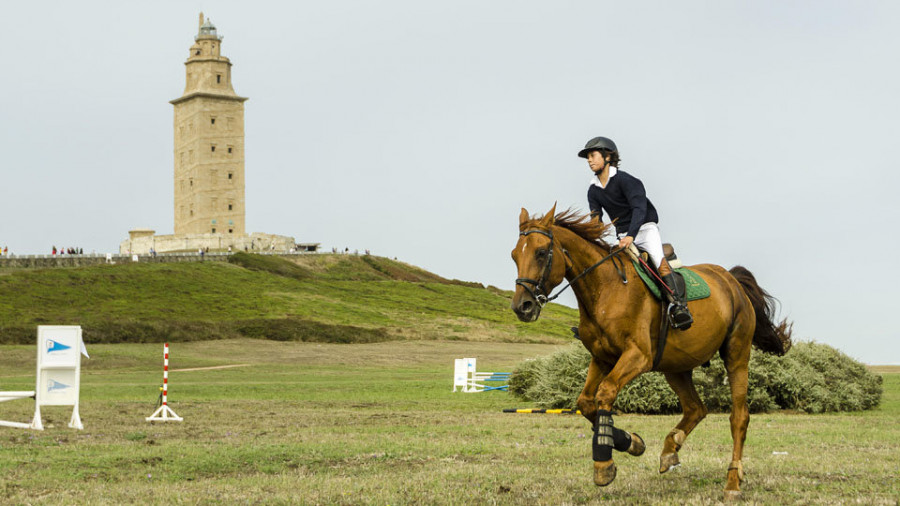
<point>679,316</point>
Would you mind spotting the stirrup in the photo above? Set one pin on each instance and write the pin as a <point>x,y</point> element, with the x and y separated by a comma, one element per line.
<point>679,316</point>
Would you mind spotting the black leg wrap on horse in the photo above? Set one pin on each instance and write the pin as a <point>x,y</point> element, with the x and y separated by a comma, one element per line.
<point>607,437</point>
<point>622,440</point>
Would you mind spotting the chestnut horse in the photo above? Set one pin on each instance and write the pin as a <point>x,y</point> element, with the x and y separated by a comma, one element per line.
<point>619,324</point>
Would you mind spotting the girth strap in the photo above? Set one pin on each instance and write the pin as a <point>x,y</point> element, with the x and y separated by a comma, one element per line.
<point>663,334</point>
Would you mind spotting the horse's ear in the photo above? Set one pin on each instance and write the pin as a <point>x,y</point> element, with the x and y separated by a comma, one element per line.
<point>523,216</point>
<point>548,218</point>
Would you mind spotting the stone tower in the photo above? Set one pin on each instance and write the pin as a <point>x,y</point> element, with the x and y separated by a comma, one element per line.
<point>209,164</point>
<point>209,143</point>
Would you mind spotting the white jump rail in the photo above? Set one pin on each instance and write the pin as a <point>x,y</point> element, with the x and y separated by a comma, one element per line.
<point>469,380</point>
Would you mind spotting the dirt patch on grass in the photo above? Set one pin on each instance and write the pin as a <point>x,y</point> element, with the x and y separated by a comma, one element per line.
<point>384,354</point>
<point>884,369</point>
<point>211,367</point>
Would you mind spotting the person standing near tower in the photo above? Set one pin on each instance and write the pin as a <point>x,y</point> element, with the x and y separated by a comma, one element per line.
<point>624,199</point>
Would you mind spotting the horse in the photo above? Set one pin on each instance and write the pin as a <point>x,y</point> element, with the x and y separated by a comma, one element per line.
<point>618,323</point>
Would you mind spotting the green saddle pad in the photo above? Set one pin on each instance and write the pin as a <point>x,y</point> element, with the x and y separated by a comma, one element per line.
<point>696,286</point>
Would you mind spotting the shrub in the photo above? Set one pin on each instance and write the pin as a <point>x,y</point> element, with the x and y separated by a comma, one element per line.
<point>813,378</point>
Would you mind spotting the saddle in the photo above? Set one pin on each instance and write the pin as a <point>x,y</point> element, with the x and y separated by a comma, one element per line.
<point>645,267</point>
<point>668,252</point>
<point>695,286</point>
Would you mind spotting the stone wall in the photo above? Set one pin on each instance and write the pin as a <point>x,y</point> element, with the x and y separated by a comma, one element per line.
<point>190,243</point>
<point>51,261</point>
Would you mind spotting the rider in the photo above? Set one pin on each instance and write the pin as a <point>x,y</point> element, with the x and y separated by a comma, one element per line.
<point>623,198</point>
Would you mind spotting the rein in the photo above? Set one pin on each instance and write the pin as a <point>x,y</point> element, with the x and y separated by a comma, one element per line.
<point>537,290</point>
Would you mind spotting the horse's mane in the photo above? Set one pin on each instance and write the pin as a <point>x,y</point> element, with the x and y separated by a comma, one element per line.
<point>583,226</point>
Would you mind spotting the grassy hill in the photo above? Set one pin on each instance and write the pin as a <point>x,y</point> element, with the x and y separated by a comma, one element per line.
<point>323,298</point>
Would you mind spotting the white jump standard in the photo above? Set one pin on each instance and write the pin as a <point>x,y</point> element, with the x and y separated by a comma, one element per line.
<point>466,377</point>
<point>58,382</point>
<point>165,413</point>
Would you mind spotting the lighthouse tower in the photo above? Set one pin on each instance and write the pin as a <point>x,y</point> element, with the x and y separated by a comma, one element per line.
<point>209,164</point>
<point>209,143</point>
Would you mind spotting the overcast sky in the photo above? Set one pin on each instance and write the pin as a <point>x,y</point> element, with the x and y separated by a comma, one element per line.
<point>765,132</point>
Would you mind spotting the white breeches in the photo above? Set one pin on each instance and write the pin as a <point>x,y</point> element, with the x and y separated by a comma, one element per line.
<point>648,239</point>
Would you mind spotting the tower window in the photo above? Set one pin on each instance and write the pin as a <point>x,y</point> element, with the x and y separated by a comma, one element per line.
<point>218,78</point>
<point>214,231</point>
<point>229,207</point>
<point>230,175</point>
<point>230,230</point>
<point>230,149</point>
<point>213,148</point>
<point>192,183</point>
<point>212,121</point>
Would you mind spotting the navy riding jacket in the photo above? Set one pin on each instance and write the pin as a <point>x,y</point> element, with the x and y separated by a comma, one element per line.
<point>624,200</point>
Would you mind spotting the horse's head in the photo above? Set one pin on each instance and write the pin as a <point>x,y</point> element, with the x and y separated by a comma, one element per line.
<point>541,262</point>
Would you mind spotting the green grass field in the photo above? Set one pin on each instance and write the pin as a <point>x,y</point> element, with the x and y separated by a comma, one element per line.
<point>376,423</point>
<point>326,298</point>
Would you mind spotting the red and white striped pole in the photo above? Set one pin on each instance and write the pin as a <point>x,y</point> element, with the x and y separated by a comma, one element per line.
<point>165,373</point>
<point>165,413</point>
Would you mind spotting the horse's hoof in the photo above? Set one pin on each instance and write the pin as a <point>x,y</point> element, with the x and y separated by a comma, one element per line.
<point>637,445</point>
<point>604,473</point>
<point>733,495</point>
<point>668,461</point>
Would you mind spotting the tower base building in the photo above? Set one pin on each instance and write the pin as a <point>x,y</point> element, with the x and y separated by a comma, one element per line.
<point>140,242</point>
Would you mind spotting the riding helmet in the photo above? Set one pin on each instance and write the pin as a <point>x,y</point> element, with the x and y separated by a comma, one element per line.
<point>598,143</point>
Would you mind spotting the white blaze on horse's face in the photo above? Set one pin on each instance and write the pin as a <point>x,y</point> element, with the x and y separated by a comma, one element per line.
<point>533,261</point>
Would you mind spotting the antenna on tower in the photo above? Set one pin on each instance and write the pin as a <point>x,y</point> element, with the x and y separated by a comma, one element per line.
<point>201,21</point>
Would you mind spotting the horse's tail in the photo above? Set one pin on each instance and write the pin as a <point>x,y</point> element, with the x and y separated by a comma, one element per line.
<point>769,337</point>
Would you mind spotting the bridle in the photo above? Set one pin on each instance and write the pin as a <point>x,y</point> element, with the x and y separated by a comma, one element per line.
<point>537,290</point>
